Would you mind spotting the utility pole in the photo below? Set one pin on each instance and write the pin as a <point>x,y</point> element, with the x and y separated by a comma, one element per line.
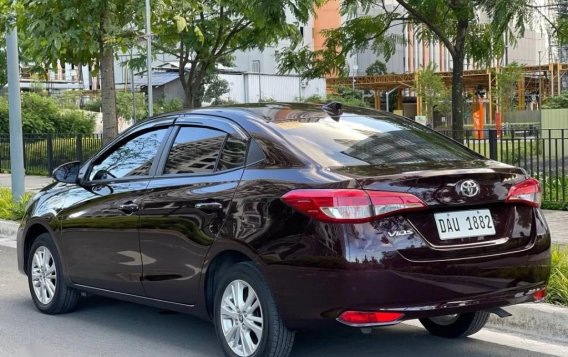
<point>149,59</point>
<point>15,108</point>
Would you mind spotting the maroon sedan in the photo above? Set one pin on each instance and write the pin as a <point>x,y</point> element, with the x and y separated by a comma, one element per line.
<point>267,219</point>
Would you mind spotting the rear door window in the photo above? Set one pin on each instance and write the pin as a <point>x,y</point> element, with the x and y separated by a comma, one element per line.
<point>352,140</point>
<point>195,151</point>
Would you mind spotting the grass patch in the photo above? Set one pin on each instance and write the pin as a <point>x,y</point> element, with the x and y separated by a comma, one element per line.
<point>558,284</point>
<point>10,210</point>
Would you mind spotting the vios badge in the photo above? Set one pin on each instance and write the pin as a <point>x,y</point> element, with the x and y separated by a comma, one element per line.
<point>468,188</point>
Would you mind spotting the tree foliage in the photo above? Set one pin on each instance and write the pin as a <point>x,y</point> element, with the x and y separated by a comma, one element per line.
<point>4,10</point>
<point>432,89</point>
<point>376,68</point>
<point>556,102</point>
<point>83,33</point>
<point>505,89</point>
<point>454,23</point>
<point>204,34</point>
<point>42,115</point>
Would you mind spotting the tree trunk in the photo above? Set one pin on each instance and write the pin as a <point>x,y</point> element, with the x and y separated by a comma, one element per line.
<point>108,90</point>
<point>193,90</point>
<point>457,98</point>
<point>458,58</point>
<point>108,96</point>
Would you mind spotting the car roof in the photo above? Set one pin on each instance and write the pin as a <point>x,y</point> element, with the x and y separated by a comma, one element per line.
<point>276,112</point>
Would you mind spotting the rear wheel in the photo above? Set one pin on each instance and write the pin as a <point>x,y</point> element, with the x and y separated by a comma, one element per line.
<point>246,319</point>
<point>45,279</point>
<point>456,326</point>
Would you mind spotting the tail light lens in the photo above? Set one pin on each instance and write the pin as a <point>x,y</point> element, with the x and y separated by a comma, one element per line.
<point>369,318</point>
<point>539,295</point>
<point>350,205</point>
<point>528,192</point>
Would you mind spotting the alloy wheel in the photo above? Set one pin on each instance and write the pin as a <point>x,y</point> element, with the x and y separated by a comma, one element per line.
<point>44,275</point>
<point>241,318</point>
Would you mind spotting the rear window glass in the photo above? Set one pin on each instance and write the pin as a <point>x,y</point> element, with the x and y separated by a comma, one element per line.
<point>362,140</point>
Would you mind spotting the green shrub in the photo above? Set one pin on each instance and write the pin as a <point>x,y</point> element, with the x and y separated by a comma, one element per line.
<point>42,115</point>
<point>164,105</point>
<point>124,105</point>
<point>10,210</point>
<point>75,122</point>
<point>94,105</point>
<point>558,284</point>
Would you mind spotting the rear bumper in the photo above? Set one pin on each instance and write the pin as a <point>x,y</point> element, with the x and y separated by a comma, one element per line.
<point>319,295</point>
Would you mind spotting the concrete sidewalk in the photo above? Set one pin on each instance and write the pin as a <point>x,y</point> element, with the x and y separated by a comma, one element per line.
<point>558,223</point>
<point>33,183</point>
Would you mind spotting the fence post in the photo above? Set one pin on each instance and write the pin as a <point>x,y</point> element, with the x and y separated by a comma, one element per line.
<point>493,144</point>
<point>79,145</point>
<point>50,154</point>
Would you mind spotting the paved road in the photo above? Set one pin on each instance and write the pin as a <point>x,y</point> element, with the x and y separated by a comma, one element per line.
<point>104,327</point>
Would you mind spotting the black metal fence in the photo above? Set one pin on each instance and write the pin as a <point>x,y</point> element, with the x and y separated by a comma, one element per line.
<point>44,152</point>
<point>542,152</point>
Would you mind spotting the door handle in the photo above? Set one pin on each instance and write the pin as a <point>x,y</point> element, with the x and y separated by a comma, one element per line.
<point>209,206</point>
<point>129,207</point>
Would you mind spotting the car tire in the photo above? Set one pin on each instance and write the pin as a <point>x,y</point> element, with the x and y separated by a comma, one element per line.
<point>254,314</point>
<point>456,326</point>
<point>46,281</point>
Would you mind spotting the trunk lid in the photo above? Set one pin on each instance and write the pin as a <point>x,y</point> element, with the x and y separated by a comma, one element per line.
<point>439,185</point>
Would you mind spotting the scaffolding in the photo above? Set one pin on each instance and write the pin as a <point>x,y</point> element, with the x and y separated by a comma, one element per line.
<point>544,80</point>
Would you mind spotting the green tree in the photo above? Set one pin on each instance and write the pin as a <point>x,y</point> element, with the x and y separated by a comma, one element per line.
<point>431,87</point>
<point>505,89</point>
<point>454,23</point>
<point>3,64</point>
<point>4,10</point>
<point>203,35</point>
<point>376,68</point>
<point>556,102</point>
<point>85,33</point>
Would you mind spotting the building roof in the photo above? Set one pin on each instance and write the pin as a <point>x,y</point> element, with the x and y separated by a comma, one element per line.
<point>158,79</point>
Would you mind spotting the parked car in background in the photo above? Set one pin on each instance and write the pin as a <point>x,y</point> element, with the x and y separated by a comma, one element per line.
<point>270,218</point>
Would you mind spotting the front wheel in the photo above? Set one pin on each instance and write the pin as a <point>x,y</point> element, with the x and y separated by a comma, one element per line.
<point>246,319</point>
<point>456,326</point>
<point>45,278</point>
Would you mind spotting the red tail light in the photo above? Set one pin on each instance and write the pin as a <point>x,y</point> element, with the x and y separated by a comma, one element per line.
<point>366,318</point>
<point>539,295</point>
<point>528,192</point>
<point>350,205</point>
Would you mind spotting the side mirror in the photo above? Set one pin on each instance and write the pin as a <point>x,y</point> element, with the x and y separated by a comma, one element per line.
<point>67,173</point>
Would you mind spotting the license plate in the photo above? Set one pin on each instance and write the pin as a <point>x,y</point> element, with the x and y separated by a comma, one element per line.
<point>464,224</point>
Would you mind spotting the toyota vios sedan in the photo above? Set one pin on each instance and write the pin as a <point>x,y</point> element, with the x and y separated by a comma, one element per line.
<point>270,218</point>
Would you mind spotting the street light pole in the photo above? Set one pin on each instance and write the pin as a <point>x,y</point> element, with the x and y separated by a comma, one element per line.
<point>539,83</point>
<point>355,69</point>
<point>149,59</point>
<point>15,108</point>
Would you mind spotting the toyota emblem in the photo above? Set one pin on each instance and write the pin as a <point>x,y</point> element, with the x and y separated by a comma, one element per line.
<point>469,188</point>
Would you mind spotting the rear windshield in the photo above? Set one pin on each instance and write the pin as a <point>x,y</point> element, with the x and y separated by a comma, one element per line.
<point>354,140</point>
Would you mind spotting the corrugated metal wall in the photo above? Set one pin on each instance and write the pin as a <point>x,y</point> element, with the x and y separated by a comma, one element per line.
<point>254,87</point>
<point>554,119</point>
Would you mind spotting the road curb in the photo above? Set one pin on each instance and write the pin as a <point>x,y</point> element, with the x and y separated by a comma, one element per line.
<point>9,229</point>
<point>537,320</point>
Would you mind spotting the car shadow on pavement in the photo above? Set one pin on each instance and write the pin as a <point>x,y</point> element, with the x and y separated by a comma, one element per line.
<point>145,329</point>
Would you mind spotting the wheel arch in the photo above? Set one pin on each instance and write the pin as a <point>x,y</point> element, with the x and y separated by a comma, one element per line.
<point>217,265</point>
<point>33,231</point>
